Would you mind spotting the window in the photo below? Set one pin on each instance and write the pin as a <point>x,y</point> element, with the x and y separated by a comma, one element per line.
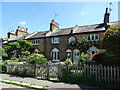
<point>55,54</point>
<point>76,53</point>
<point>36,42</point>
<point>92,49</point>
<point>36,51</point>
<point>55,40</point>
<point>69,54</point>
<point>93,37</point>
<point>71,39</point>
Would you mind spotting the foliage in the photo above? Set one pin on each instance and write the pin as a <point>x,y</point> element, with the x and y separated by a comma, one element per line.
<point>38,59</point>
<point>18,47</point>
<point>101,51</point>
<point>2,51</point>
<point>5,56</point>
<point>85,45</point>
<point>26,53</point>
<point>111,40</point>
<point>3,68</point>
<point>98,58</point>
<point>68,62</point>
<point>84,58</point>
<point>14,59</point>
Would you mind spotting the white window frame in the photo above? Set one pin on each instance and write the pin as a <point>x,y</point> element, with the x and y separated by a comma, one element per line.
<point>71,39</point>
<point>36,51</point>
<point>69,51</point>
<point>92,49</point>
<point>76,53</point>
<point>55,40</point>
<point>55,54</point>
<point>93,35</point>
<point>36,42</point>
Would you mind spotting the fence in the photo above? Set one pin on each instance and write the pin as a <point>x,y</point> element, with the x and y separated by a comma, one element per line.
<point>107,74</point>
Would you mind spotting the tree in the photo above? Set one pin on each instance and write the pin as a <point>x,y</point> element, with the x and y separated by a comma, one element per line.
<point>18,47</point>
<point>2,51</point>
<point>111,40</point>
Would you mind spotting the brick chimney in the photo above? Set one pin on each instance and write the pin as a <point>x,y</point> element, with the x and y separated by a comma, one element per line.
<point>54,25</point>
<point>21,31</point>
<point>11,34</point>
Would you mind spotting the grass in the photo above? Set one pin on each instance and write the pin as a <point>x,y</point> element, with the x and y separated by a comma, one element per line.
<point>22,84</point>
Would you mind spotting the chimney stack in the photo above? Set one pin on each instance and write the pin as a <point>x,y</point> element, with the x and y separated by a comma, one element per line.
<point>11,34</point>
<point>21,31</point>
<point>54,25</point>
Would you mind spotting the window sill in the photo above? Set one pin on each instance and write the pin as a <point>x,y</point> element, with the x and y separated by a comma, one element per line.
<point>56,60</point>
<point>35,44</point>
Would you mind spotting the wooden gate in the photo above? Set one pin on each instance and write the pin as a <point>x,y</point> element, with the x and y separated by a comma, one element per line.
<point>47,71</point>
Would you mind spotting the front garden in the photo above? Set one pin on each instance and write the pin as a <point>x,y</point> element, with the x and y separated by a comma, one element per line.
<point>102,69</point>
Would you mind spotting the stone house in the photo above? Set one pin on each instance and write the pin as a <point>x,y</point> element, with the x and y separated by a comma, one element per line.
<point>54,42</point>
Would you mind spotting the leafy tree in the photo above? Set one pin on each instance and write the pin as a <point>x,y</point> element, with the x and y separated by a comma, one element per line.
<point>2,51</point>
<point>26,53</point>
<point>18,47</point>
<point>111,40</point>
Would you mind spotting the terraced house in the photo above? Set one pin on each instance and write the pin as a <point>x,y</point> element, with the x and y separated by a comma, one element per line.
<point>54,42</point>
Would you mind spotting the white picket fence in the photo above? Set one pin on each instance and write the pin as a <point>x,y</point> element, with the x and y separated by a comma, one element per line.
<point>107,74</point>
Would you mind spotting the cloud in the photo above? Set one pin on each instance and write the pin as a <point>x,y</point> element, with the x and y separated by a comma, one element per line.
<point>82,13</point>
<point>22,22</point>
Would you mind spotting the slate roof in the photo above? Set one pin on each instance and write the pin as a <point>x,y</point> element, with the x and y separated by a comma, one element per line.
<point>81,29</point>
<point>66,31</point>
<point>36,34</point>
<point>17,38</point>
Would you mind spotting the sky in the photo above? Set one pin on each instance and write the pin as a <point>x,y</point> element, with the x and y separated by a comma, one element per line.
<point>36,16</point>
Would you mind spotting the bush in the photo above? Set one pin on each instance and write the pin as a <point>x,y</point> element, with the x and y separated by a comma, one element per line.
<point>98,58</point>
<point>26,53</point>
<point>3,68</point>
<point>105,59</point>
<point>68,62</point>
<point>5,56</point>
<point>84,58</point>
<point>14,59</point>
<point>111,41</point>
<point>37,59</point>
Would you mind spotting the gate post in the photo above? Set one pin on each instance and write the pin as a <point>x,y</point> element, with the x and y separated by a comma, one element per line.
<point>47,71</point>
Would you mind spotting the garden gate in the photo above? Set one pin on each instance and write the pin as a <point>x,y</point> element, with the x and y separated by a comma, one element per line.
<point>47,71</point>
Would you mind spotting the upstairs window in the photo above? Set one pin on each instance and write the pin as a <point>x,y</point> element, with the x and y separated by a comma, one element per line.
<point>56,40</point>
<point>36,42</point>
<point>93,37</point>
<point>71,39</point>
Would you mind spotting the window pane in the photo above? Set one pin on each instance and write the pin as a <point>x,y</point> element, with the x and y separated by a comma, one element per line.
<point>88,37</point>
<point>96,36</point>
<point>92,37</point>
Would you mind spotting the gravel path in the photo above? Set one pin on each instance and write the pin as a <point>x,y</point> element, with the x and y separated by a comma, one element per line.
<point>46,82</point>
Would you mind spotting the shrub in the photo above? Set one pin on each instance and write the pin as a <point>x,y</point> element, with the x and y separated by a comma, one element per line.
<point>14,59</point>
<point>112,36</point>
<point>84,58</point>
<point>38,59</point>
<point>98,58</point>
<point>68,62</point>
<point>3,68</point>
<point>5,56</point>
<point>26,53</point>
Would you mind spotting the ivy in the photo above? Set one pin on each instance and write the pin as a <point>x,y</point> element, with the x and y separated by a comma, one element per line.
<point>85,45</point>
